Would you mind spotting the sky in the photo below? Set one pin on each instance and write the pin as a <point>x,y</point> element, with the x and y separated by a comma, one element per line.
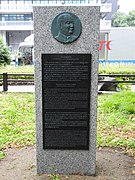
<point>126,5</point>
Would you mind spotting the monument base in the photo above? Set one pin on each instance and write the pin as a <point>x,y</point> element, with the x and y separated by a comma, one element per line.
<point>66,162</point>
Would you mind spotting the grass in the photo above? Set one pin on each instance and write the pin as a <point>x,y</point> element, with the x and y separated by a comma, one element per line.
<point>17,69</point>
<point>17,120</point>
<point>116,121</point>
<point>118,68</point>
<point>2,155</point>
<point>116,116</point>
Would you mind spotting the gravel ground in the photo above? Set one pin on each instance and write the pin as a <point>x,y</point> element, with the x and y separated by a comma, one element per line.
<point>20,164</point>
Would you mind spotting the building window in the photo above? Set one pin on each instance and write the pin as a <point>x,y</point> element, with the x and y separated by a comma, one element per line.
<point>16,17</point>
<point>46,1</point>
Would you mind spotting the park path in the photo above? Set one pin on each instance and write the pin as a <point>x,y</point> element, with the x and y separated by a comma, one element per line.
<point>20,164</point>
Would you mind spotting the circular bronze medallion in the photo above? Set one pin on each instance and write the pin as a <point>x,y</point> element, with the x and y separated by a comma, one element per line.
<point>66,27</point>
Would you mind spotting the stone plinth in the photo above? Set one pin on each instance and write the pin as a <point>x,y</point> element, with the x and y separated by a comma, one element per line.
<point>66,161</point>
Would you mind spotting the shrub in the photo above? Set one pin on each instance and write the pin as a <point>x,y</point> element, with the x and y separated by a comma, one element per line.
<point>4,53</point>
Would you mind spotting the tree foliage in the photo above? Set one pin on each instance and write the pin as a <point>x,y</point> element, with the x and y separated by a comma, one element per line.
<point>131,18</point>
<point>119,20</point>
<point>124,20</point>
<point>4,53</point>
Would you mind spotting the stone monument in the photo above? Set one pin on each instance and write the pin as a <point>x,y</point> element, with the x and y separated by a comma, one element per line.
<point>66,43</point>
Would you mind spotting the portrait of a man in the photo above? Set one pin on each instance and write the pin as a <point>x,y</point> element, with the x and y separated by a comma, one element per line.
<point>66,27</point>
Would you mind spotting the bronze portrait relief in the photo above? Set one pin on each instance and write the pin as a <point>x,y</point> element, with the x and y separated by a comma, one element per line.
<point>66,27</point>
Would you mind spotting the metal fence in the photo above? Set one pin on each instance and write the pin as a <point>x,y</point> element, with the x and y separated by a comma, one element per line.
<point>25,79</point>
<point>15,79</point>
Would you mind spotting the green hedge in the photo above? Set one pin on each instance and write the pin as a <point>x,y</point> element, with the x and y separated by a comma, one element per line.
<point>118,68</point>
<point>103,69</point>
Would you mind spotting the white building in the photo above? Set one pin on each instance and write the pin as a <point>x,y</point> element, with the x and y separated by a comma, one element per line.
<point>122,44</point>
<point>16,17</point>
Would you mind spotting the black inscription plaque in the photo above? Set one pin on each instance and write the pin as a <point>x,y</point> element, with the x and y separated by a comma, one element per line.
<point>66,101</point>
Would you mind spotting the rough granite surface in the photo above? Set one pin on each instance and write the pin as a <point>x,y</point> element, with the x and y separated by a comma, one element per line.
<point>66,161</point>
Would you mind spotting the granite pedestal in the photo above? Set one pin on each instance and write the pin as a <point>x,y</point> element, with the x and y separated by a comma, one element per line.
<point>66,161</point>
